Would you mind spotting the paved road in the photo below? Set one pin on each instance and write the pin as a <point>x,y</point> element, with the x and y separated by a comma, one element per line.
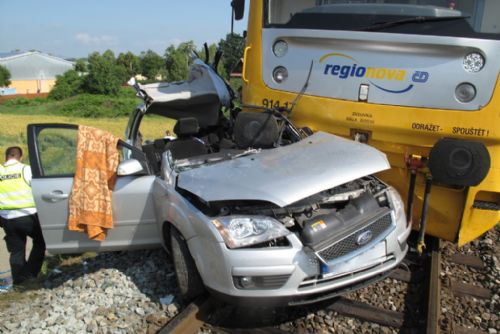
<point>4,254</point>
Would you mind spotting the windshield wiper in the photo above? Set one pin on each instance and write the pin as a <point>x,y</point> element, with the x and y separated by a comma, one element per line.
<point>247,152</point>
<point>416,19</point>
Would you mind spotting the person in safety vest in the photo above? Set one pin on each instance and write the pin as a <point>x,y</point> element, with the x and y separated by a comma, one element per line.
<point>19,218</point>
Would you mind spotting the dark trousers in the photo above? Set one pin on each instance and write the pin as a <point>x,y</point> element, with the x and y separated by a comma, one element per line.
<point>16,231</point>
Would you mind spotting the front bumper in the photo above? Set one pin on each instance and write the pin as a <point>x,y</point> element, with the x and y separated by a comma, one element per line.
<point>293,275</point>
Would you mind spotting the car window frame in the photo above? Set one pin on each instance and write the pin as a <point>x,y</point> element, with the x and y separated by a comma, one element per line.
<point>34,130</point>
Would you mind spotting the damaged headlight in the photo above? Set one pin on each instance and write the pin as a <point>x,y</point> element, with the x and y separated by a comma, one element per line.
<point>241,231</point>
<point>396,203</point>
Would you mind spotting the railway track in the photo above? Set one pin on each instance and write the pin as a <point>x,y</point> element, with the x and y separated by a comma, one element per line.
<point>420,313</point>
<point>470,289</point>
<point>191,319</point>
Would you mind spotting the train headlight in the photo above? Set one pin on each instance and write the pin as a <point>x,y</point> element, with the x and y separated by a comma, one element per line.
<point>465,92</point>
<point>280,74</point>
<point>473,62</point>
<point>280,48</point>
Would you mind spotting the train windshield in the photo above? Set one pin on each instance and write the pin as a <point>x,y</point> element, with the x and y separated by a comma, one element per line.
<point>460,18</point>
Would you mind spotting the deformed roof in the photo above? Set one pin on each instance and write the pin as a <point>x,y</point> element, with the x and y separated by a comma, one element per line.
<point>35,65</point>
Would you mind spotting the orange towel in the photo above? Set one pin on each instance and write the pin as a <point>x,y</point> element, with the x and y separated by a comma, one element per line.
<point>90,206</point>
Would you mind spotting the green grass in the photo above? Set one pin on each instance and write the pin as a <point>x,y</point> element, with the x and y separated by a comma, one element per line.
<point>83,105</point>
<point>58,151</point>
<point>104,112</point>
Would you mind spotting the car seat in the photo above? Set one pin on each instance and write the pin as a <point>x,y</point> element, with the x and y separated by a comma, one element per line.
<point>186,145</point>
<point>153,152</point>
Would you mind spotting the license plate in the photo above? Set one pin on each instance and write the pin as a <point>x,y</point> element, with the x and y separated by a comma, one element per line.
<point>366,259</point>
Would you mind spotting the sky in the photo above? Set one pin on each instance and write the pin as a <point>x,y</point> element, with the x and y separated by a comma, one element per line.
<point>76,28</point>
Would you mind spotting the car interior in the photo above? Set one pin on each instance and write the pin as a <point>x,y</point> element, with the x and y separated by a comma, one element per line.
<point>247,130</point>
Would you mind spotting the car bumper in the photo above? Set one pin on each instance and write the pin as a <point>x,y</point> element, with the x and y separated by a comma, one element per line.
<point>293,274</point>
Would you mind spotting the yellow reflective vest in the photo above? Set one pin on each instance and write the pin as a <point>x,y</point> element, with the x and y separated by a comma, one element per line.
<point>15,192</point>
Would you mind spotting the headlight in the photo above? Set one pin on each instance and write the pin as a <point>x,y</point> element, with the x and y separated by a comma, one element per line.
<point>241,231</point>
<point>396,203</point>
<point>465,92</point>
<point>280,48</point>
<point>280,74</point>
<point>473,62</point>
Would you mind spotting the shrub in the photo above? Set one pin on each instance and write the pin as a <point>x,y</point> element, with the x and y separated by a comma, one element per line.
<point>67,85</point>
<point>94,106</point>
<point>23,102</point>
<point>127,92</point>
<point>4,76</point>
<point>104,75</point>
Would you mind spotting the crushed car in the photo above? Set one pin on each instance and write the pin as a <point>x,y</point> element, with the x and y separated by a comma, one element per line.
<point>249,207</point>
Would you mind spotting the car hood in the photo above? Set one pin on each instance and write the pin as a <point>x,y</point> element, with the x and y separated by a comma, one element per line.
<point>285,174</point>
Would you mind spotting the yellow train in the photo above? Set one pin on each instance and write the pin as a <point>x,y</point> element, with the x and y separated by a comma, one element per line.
<point>416,79</point>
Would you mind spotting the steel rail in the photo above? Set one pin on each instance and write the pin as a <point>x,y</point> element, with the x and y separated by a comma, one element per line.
<point>434,287</point>
<point>191,319</point>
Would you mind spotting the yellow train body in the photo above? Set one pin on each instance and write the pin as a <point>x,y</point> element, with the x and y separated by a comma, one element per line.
<point>398,131</point>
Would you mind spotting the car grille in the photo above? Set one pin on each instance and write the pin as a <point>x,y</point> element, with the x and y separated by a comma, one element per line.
<point>274,282</point>
<point>348,244</point>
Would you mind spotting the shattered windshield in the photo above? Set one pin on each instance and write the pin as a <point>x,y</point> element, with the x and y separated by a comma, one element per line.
<point>460,18</point>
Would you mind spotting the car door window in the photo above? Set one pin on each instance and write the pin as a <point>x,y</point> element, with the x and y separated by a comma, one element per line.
<point>57,151</point>
<point>56,146</point>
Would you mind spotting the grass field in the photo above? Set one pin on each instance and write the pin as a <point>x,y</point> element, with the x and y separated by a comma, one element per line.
<point>13,127</point>
<point>105,112</point>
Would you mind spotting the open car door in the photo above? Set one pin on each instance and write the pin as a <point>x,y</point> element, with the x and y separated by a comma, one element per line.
<point>52,153</point>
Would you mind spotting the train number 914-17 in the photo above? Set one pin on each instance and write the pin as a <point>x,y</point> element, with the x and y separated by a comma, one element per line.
<point>270,103</point>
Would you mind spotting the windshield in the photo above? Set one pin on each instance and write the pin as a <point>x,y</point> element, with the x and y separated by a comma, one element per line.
<point>460,18</point>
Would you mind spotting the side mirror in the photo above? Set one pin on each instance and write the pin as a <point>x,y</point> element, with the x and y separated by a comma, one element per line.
<point>129,167</point>
<point>238,8</point>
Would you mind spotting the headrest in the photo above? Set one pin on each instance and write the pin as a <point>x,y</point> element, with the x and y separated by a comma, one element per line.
<point>186,126</point>
<point>257,130</point>
<point>160,143</point>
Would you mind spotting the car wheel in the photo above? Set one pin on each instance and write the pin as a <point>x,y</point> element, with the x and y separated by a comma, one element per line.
<point>188,278</point>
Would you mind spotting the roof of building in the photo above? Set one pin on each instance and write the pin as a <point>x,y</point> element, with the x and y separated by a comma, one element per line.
<point>10,53</point>
<point>35,65</point>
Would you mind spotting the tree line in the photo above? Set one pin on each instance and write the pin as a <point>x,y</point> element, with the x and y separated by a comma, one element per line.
<point>105,73</point>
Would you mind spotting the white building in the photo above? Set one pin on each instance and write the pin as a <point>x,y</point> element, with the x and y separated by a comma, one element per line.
<point>34,71</point>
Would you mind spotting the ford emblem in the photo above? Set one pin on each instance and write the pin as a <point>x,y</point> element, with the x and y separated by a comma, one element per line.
<point>363,238</point>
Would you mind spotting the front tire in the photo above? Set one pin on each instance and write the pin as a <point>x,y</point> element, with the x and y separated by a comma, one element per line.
<point>188,278</point>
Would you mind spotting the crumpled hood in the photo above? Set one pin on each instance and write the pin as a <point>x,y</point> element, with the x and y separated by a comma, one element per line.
<point>285,174</point>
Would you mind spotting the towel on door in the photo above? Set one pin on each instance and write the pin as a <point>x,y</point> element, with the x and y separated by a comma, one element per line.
<point>90,205</point>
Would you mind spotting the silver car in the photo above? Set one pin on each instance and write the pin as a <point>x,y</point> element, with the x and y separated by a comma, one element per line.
<point>249,207</point>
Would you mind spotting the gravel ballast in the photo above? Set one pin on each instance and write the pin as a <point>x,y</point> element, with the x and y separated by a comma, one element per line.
<point>117,292</point>
<point>136,292</point>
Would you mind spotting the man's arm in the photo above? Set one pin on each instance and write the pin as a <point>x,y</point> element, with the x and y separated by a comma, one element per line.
<point>27,175</point>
